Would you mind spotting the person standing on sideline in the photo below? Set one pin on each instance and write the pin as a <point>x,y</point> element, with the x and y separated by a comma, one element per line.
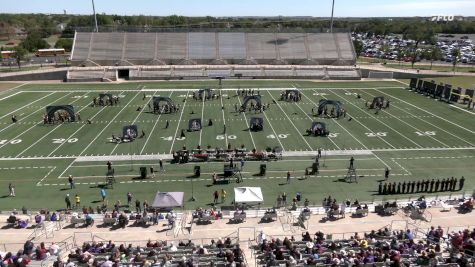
<point>71,182</point>
<point>242,163</point>
<point>129,198</point>
<point>103,194</point>
<point>138,208</point>
<point>386,173</point>
<point>223,195</point>
<point>11,189</point>
<point>319,155</point>
<point>461,182</point>
<point>288,177</point>
<point>352,160</point>
<point>167,124</point>
<point>152,171</point>
<point>161,165</point>
<point>216,196</point>
<point>109,165</point>
<point>68,202</point>
<point>78,201</point>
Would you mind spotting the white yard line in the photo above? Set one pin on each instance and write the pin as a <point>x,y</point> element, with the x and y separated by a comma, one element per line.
<point>153,128</point>
<point>11,89</point>
<point>366,127</point>
<point>417,117</point>
<point>24,132</point>
<point>29,104</point>
<point>224,120</point>
<point>103,129</point>
<point>133,122</point>
<point>311,119</point>
<point>410,125</point>
<point>48,133</point>
<point>7,97</point>
<point>246,123</point>
<point>82,126</point>
<point>275,134</point>
<point>44,177</point>
<point>336,121</point>
<point>452,105</point>
<point>428,112</point>
<point>179,121</point>
<point>396,131</point>
<point>202,117</point>
<point>296,129</point>
<point>400,166</point>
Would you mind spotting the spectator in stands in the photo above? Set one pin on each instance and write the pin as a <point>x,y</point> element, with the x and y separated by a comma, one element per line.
<point>409,235</point>
<point>28,248</point>
<point>41,252</point>
<point>53,249</point>
<point>38,218</point>
<point>89,220</point>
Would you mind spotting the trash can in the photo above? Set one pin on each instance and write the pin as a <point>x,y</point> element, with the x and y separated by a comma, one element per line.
<point>143,172</point>
<point>262,169</point>
<point>298,196</point>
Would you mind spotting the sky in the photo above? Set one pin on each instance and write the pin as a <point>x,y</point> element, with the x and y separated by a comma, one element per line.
<point>220,8</point>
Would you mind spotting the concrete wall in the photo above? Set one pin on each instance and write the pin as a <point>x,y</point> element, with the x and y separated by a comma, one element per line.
<point>57,75</point>
<point>402,74</point>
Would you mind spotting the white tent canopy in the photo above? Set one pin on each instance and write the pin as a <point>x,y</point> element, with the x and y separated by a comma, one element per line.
<point>248,195</point>
<point>168,200</point>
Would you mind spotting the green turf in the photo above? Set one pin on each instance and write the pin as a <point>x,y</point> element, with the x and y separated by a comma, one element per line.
<point>417,137</point>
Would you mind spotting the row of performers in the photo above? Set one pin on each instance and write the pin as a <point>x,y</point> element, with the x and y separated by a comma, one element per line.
<point>248,92</point>
<point>332,114</point>
<point>293,96</point>
<point>105,101</point>
<point>59,116</point>
<point>167,108</point>
<point>208,96</point>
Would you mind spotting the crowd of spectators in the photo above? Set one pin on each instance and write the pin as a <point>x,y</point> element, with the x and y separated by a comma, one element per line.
<point>157,253</point>
<point>30,252</point>
<point>390,248</point>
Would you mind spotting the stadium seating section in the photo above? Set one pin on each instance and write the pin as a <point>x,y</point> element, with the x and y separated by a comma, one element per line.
<point>109,49</point>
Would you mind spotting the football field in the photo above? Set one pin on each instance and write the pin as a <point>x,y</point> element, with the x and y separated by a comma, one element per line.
<point>416,137</point>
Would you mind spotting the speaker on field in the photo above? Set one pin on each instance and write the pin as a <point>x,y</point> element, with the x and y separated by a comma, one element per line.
<point>143,172</point>
<point>197,171</point>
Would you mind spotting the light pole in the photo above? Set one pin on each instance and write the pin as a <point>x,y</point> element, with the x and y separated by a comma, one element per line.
<point>331,20</point>
<point>95,17</point>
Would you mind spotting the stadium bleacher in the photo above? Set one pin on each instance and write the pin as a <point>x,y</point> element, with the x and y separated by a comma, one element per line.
<point>198,55</point>
<point>205,47</point>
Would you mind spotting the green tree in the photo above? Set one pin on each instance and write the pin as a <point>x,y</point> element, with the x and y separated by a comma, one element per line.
<point>456,58</point>
<point>20,54</point>
<point>67,44</point>
<point>400,54</point>
<point>419,33</point>
<point>434,54</point>
<point>358,47</point>
<point>33,42</point>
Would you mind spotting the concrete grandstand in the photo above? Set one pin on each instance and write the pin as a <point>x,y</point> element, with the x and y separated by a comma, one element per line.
<point>196,55</point>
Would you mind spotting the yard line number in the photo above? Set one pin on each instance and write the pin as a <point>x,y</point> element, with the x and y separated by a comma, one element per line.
<point>281,136</point>
<point>63,140</point>
<point>426,133</point>
<point>377,134</point>
<point>13,141</point>
<point>170,138</point>
<point>222,137</point>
